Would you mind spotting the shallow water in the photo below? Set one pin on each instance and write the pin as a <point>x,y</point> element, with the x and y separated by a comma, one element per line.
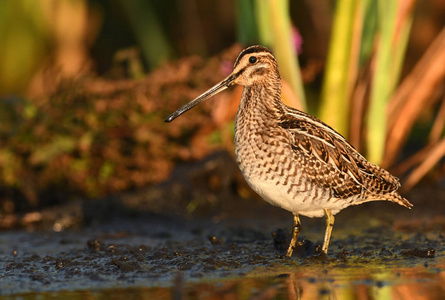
<point>377,251</point>
<point>330,281</point>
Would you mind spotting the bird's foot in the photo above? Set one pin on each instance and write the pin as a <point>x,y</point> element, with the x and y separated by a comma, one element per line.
<point>299,247</point>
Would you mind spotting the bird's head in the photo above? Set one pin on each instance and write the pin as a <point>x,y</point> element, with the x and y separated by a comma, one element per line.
<point>254,65</point>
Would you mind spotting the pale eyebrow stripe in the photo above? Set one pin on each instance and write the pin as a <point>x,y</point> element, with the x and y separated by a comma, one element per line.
<point>257,54</point>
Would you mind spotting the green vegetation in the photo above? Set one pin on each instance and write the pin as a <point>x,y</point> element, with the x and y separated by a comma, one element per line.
<point>85,86</point>
<point>268,23</point>
<point>337,84</point>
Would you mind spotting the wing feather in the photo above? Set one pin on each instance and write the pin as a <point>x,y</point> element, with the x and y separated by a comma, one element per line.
<point>331,161</point>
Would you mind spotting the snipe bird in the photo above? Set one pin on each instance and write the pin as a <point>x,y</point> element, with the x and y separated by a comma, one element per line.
<point>290,158</point>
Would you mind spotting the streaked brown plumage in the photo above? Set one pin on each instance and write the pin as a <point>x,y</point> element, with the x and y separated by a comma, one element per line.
<point>292,159</point>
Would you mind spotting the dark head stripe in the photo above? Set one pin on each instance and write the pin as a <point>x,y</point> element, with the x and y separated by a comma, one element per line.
<point>250,50</point>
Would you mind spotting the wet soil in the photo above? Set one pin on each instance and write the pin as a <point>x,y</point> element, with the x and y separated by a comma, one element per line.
<point>227,250</point>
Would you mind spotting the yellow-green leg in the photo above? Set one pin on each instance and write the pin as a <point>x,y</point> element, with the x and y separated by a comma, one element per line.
<point>295,234</point>
<point>329,225</point>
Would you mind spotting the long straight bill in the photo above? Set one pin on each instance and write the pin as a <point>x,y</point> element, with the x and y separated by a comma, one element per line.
<point>211,92</point>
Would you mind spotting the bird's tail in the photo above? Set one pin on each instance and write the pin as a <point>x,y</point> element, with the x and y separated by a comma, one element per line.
<point>395,197</point>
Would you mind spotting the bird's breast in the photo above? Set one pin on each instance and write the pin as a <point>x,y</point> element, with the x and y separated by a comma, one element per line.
<point>272,169</point>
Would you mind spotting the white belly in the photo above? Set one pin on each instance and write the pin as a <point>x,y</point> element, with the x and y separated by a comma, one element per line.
<point>277,195</point>
<point>309,203</point>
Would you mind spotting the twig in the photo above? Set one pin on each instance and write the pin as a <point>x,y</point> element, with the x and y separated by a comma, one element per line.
<point>414,95</point>
<point>430,161</point>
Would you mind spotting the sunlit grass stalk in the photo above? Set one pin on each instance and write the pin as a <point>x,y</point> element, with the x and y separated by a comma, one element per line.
<point>337,85</point>
<point>263,17</point>
<point>382,80</point>
<point>247,23</point>
<point>400,45</point>
<point>369,16</point>
<point>282,42</point>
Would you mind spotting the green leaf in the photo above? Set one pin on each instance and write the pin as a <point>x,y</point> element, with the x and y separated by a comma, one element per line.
<point>58,146</point>
<point>283,47</point>
<point>337,85</point>
<point>369,17</point>
<point>247,25</point>
<point>382,81</point>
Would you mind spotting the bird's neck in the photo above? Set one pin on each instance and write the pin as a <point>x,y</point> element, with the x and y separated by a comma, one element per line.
<point>262,101</point>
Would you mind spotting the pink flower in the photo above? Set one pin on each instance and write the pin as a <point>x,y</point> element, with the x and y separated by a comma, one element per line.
<point>297,40</point>
<point>226,67</point>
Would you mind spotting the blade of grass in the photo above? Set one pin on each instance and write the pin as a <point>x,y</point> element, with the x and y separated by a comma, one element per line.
<point>247,24</point>
<point>400,40</point>
<point>402,168</point>
<point>381,84</point>
<point>358,107</point>
<point>283,47</point>
<point>363,33</point>
<point>336,84</point>
<point>431,160</point>
<point>438,125</point>
<point>263,17</point>
<point>422,154</point>
<point>413,95</point>
<point>369,10</point>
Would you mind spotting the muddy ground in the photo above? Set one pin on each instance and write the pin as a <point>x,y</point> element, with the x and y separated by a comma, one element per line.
<point>195,236</point>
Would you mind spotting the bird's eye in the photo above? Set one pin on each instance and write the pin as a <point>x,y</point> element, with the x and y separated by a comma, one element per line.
<point>252,59</point>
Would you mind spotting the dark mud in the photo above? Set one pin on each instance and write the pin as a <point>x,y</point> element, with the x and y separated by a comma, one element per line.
<point>165,255</point>
<point>229,250</point>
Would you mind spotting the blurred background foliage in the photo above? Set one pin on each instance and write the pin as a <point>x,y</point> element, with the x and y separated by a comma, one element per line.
<point>85,85</point>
